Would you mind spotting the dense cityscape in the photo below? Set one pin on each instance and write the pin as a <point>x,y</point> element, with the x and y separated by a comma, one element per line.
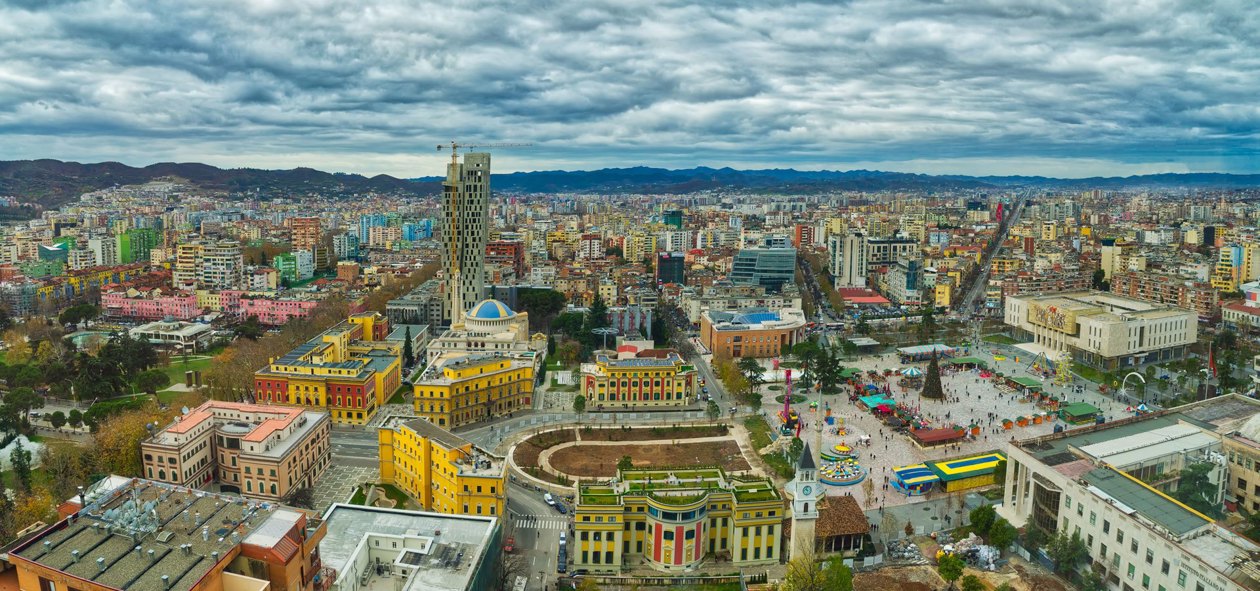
<point>527,372</point>
<point>724,296</point>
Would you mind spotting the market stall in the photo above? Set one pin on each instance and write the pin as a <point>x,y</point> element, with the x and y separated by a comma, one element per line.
<point>966,363</point>
<point>1079,413</point>
<point>926,438</point>
<point>966,473</point>
<point>915,480</point>
<point>925,352</point>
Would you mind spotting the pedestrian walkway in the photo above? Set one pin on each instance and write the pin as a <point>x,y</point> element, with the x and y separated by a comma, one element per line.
<point>535,522</point>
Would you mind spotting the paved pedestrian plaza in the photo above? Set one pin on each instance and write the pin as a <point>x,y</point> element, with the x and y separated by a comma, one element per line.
<point>338,482</point>
<point>970,399</point>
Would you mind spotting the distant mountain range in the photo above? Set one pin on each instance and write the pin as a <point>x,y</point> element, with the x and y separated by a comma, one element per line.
<point>644,179</point>
<point>51,183</point>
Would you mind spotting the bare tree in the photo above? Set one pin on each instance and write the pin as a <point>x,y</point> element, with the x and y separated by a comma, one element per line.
<point>510,566</point>
<point>805,573</point>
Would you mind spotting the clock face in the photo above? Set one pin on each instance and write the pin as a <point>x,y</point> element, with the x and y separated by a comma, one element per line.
<point>807,489</point>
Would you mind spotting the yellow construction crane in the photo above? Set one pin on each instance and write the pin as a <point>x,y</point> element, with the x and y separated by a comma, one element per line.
<point>454,147</point>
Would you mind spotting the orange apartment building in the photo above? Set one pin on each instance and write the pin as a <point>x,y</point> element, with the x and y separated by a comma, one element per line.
<point>131,534</point>
<point>305,233</point>
<point>1160,288</point>
<point>259,451</point>
<point>751,332</point>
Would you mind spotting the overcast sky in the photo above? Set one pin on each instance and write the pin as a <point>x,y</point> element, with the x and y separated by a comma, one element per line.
<point>1054,87</point>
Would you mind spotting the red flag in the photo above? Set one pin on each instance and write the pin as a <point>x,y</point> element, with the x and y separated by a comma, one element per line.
<point>1212,360</point>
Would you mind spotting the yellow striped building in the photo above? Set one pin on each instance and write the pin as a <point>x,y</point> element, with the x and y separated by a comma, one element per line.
<point>674,521</point>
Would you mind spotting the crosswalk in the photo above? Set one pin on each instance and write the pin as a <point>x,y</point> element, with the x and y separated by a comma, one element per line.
<point>536,522</point>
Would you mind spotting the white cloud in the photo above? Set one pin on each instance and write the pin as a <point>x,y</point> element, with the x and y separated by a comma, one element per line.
<point>1070,87</point>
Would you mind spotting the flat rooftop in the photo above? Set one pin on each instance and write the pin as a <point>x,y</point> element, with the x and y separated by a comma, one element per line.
<point>1152,444</point>
<point>480,463</point>
<point>434,375</point>
<point>162,520</point>
<point>755,319</point>
<point>1139,498</point>
<point>1228,553</point>
<point>444,549</point>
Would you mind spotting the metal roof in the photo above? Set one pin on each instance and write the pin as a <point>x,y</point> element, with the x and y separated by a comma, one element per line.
<point>1152,505</point>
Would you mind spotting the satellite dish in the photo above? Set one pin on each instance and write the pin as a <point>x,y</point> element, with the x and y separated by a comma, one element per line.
<point>185,410</point>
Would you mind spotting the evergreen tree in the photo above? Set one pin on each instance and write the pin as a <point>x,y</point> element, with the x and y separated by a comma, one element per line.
<point>932,381</point>
<point>21,461</point>
<point>409,356</point>
<point>6,513</point>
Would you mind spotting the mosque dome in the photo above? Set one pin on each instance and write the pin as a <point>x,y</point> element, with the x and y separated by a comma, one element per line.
<point>491,310</point>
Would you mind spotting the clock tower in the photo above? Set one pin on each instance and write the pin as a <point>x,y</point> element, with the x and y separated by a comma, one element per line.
<point>805,495</point>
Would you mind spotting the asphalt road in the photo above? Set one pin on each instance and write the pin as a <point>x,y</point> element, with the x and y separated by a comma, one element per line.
<point>536,528</point>
<point>969,300</point>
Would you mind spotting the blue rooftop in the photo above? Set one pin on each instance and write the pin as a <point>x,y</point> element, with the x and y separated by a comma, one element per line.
<point>755,317</point>
<point>491,310</point>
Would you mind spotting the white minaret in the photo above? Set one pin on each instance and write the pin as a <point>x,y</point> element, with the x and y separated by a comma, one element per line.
<point>805,495</point>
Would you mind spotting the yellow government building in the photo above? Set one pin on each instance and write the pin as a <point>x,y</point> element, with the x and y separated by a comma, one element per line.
<point>688,516</point>
<point>461,388</point>
<point>655,378</point>
<point>440,470</point>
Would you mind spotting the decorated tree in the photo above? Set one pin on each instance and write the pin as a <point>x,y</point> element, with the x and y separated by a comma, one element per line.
<point>932,381</point>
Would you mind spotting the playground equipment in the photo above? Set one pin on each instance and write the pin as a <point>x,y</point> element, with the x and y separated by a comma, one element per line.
<point>1063,369</point>
<point>839,452</point>
<point>846,472</point>
<point>789,418</point>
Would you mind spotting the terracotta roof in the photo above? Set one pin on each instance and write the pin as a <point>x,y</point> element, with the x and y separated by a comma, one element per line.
<point>840,516</point>
<point>1244,308</point>
<point>935,435</point>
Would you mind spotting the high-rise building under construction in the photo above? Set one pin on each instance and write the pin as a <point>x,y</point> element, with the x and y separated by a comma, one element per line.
<point>465,221</point>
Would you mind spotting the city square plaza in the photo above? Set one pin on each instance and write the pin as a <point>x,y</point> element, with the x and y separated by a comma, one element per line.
<point>858,443</point>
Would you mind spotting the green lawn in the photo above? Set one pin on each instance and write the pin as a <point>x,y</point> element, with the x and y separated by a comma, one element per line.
<point>399,497</point>
<point>176,369</point>
<point>758,432</point>
<point>39,477</point>
<point>398,397</point>
<point>1000,339</point>
<point>359,498</point>
<point>1088,373</point>
<point>759,436</point>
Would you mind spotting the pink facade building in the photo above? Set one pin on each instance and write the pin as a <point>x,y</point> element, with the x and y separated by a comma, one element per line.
<point>181,306</point>
<point>273,312</point>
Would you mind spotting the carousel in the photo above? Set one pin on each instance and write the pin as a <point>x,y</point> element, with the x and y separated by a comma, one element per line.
<point>840,452</point>
<point>843,472</point>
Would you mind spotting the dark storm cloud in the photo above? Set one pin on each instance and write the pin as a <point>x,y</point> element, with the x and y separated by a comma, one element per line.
<point>1122,84</point>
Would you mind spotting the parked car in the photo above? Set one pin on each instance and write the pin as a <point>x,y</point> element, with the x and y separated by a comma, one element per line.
<point>550,500</point>
<point>561,509</point>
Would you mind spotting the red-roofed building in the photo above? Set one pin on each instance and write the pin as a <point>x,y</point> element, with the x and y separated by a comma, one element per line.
<point>861,296</point>
<point>259,451</point>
